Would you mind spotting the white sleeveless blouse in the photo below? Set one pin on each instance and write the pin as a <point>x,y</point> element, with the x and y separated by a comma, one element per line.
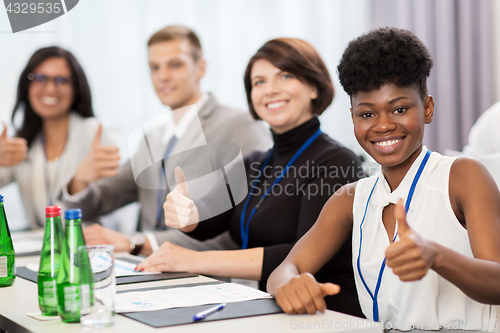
<point>431,303</point>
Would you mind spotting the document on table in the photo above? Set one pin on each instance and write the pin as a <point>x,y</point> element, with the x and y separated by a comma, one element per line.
<point>122,268</point>
<point>28,241</point>
<point>160,299</point>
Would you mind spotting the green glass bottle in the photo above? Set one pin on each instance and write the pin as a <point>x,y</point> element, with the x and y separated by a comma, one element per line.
<point>50,261</point>
<point>75,281</point>
<point>7,255</point>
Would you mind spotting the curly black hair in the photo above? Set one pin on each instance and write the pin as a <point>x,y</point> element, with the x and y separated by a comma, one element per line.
<point>385,55</point>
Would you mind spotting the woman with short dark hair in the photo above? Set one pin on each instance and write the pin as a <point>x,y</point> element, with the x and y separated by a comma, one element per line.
<point>299,57</point>
<point>287,85</point>
<point>57,131</point>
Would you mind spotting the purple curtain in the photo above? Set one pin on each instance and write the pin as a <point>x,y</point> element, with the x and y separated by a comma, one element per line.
<point>458,34</point>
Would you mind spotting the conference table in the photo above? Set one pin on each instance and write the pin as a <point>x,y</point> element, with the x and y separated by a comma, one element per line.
<point>22,298</point>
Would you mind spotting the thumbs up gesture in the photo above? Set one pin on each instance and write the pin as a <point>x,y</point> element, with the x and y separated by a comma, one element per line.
<point>303,293</point>
<point>101,161</point>
<point>12,151</point>
<point>180,210</point>
<point>412,255</point>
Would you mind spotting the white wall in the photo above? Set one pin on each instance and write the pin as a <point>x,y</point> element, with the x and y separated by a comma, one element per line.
<point>109,39</point>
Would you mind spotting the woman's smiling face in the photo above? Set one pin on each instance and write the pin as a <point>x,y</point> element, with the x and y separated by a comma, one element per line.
<point>280,98</point>
<point>51,100</point>
<point>389,123</point>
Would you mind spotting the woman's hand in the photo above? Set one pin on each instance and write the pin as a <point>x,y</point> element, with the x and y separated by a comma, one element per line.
<point>101,161</point>
<point>12,151</point>
<point>411,257</point>
<point>169,258</point>
<point>303,293</point>
<point>180,210</point>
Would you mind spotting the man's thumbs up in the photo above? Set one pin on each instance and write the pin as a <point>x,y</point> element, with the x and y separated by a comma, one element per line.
<point>180,210</point>
<point>12,151</point>
<point>180,179</point>
<point>411,257</point>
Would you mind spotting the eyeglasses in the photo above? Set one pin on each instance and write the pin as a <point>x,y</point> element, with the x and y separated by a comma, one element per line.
<point>39,81</point>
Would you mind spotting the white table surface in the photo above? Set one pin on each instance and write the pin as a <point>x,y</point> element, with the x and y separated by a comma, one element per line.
<point>22,298</point>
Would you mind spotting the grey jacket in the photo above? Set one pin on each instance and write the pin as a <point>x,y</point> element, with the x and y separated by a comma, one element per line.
<point>219,124</point>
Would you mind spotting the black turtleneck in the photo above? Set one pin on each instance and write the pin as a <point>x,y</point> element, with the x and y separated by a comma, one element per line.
<point>290,142</point>
<point>293,205</point>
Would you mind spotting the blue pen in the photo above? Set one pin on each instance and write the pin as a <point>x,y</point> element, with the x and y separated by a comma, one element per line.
<point>203,314</point>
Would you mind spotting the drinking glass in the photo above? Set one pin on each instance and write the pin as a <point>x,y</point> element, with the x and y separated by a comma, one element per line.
<point>100,311</point>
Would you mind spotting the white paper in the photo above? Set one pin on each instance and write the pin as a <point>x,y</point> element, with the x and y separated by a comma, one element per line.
<point>32,267</point>
<point>125,268</point>
<point>26,246</point>
<point>160,299</point>
<point>122,268</point>
<point>28,241</point>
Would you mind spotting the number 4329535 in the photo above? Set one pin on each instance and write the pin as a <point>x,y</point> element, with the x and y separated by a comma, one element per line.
<point>25,8</point>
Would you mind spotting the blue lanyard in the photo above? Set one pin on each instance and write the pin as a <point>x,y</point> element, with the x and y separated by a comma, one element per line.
<point>407,206</point>
<point>244,229</point>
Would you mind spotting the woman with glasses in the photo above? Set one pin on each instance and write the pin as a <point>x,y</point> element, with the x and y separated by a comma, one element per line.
<point>57,133</point>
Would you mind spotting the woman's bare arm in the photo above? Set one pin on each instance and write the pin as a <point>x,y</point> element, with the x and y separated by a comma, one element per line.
<point>292,283</point>
<point>475,199</point>
<point>477,196</point>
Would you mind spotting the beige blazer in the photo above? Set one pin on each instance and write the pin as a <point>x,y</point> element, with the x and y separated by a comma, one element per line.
<point>30,175</point>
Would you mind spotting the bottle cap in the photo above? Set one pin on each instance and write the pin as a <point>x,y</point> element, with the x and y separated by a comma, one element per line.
<point>1,198</point>
<point>73,214</point>
<point>52,211</point>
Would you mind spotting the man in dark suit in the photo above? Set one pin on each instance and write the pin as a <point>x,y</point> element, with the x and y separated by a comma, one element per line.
<point>177,66</point>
